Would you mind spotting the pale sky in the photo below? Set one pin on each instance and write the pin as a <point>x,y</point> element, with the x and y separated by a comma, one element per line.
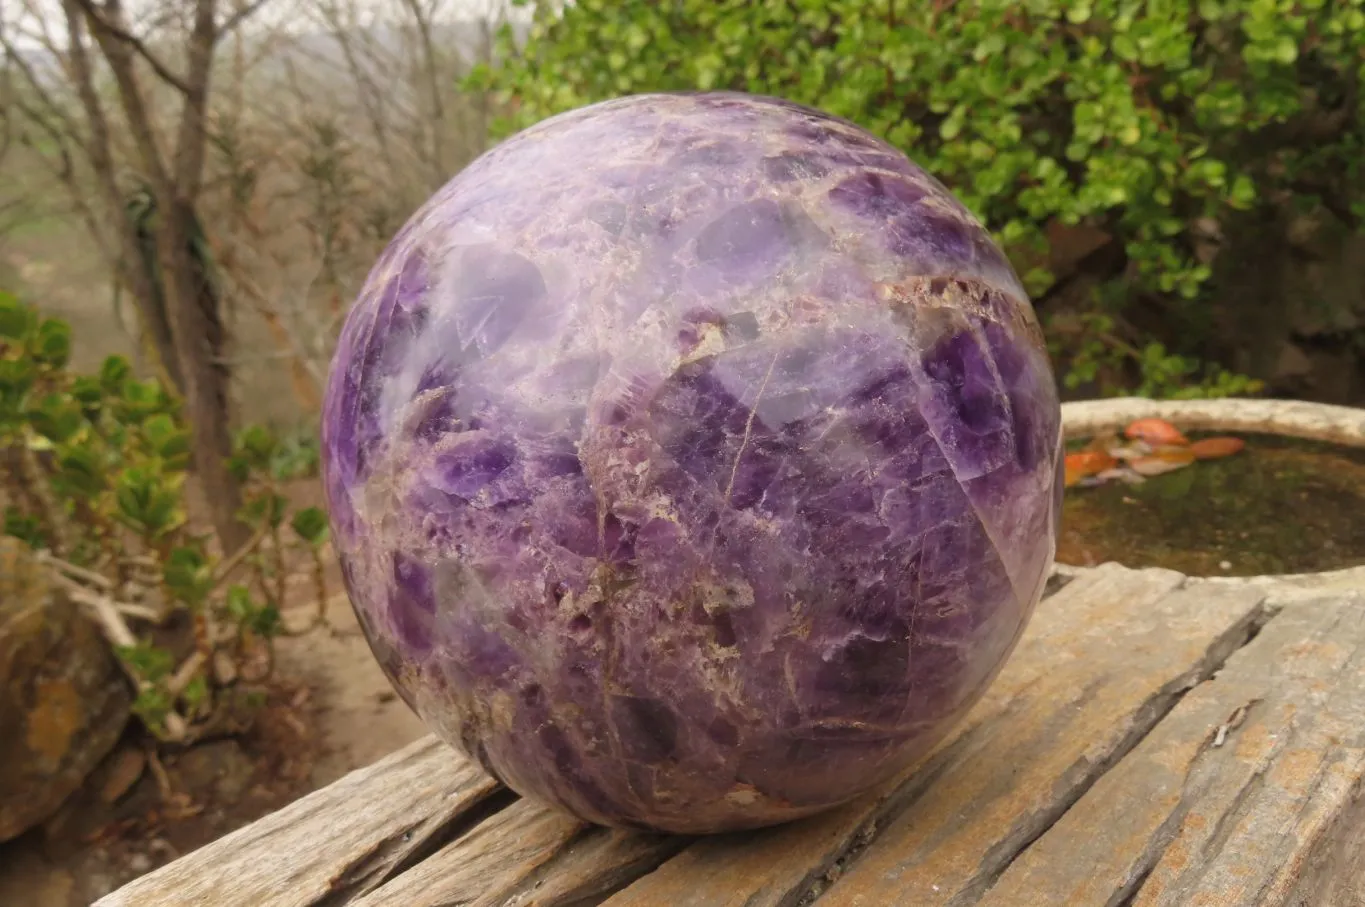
<point>22,18</point>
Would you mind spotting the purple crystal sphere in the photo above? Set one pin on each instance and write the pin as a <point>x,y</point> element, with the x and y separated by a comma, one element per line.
<point>693,461</point>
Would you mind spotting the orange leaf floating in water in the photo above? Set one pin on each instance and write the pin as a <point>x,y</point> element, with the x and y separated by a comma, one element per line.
<point>1155,431</point>
<point>1212,448</point>
<point>1163,459</point>
<point>1086,463</point>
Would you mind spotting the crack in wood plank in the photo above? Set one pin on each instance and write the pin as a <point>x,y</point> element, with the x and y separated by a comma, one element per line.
<point>400,852</point>
<point>330,846</point>
<point>1082,776</point>
<point>1127,887</point>
<point>792,864</point>
<point>607,862</point>
<point>1225,721</point>
<point>526,856</point>
<point>1253,821</point>
<point>1334,873</point>
<point>1120,678</point>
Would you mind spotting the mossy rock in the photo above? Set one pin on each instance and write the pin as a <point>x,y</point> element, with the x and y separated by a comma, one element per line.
<point>63,701</point>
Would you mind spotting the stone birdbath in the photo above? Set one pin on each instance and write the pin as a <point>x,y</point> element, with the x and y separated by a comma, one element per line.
<point>1290,419</point>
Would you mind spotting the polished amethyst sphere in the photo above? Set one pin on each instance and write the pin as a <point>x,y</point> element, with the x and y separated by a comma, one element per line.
<point>692,461</point>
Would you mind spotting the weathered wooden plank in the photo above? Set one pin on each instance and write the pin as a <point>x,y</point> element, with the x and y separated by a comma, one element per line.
<point>1102,663</point>
<point>1234,795</point>
<point>529,856</point>
<point>525,855</point>
<point>331,845</point>
<point>370,827</point>
<point>1335,874</point>
<point>1111,681</point>
<point>1099,663</point>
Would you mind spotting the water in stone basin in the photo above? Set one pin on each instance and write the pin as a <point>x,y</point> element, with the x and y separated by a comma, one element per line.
<point>1278,506</point>
<point>693,461</point>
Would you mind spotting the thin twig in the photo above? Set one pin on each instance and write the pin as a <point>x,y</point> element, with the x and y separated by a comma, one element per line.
<point>98,20</point>
<point>177,728</point>
<point>163,780</point>
<point>228,564</point>
<point>99,601</point>
<point>115,628</point>
<point>120,636</point>
<point>185,673</point>
<point>34,475</point>
<point>76,572</point>
<point>240,16</point>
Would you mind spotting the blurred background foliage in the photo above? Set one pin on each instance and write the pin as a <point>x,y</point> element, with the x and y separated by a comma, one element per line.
<point>1116,148</point>
<point>1179,183</point>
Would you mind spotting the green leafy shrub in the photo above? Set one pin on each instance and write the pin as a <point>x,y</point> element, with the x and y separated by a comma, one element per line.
<point>94,475</point>
<point>1144,119</point>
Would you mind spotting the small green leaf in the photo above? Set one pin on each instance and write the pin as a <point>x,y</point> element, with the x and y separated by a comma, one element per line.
<point>240,467</point>
<point>16,318</point>
<point>238,603</point>
<point>310,524</point>
<point>16,379</point>
<point>296,458</point>
<point>152,705</point>
<point>1286,50</point>
<point>255,445</point>
<point>25,527</point>
<point>149,662</point>
<point>52,343</point>
<point>167,440</point>
<point>140,399</point>
<point>267,622</point>
<point>196,692</point>
<point>266,508</point>
<point>57,417</point>
<point>80,472</point>
<point>149,500</point>
<point>86,390</point>
<point>114,371</point>
<point>187,574</point>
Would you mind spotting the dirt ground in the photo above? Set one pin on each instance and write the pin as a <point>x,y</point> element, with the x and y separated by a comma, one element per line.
<point>331,711</point>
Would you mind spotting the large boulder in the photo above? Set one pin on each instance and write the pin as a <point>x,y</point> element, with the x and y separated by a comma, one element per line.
<point>63,702</point>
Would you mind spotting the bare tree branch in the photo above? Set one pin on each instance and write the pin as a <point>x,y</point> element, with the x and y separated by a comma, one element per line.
<point>101,22</point>
<point>100,152</point>
<point>241,15</point>
<point>119,55</point>
<point>191,144</point>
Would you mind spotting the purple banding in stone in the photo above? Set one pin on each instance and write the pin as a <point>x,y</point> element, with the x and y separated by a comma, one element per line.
<point>693,461</point>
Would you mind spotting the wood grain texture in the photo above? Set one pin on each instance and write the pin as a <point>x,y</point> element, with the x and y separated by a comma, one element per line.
<point>1335,874</point>
<point>328,847</point>
<point>1070,651</point>
<point>525,855</point>
<point>1111,679</point>
<point>1231,799</point>
<point>1261,806</point>
<point>1154,742</point>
